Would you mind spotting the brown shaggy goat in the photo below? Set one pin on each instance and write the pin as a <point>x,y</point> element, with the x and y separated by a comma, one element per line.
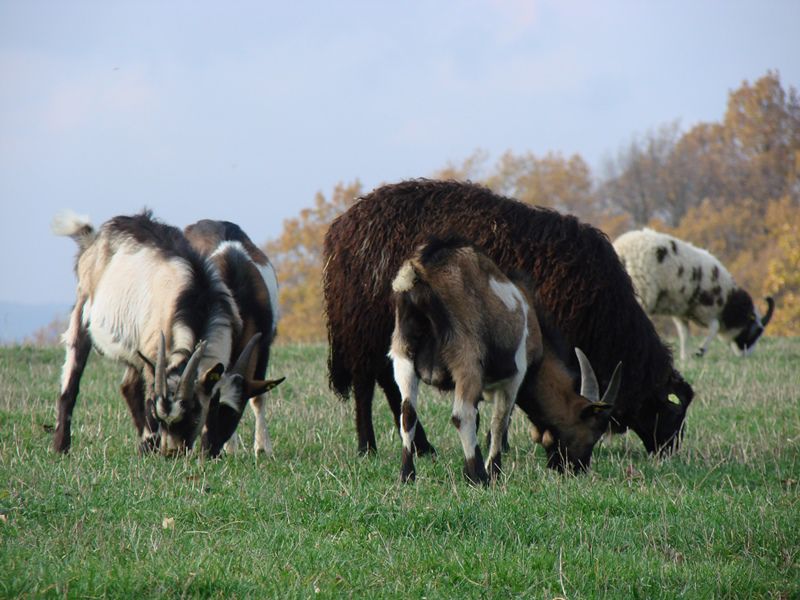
<point>578,278</point>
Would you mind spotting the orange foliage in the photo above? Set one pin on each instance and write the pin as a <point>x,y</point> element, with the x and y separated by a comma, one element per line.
<point>297,257</point>
<point>731,187</point>
<point>783,270</point>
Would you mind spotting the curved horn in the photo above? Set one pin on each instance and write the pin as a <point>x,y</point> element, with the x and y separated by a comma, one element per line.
<point>186,385</point>
<point>589,387</point>
<point>160,370</point>
<point>240,368</point>
<point>770,308</point>
<point>613,386</point>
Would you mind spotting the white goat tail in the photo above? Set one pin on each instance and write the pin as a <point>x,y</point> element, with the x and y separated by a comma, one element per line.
<point>405,279</point>
<point>78,227</point>
<point>69,223</point>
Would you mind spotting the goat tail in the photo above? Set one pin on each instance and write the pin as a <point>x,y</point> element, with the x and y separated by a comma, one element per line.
<point>78,227</point>
<point>406,278</point>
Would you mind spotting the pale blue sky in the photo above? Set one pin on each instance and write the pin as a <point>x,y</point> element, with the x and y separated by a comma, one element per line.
<point>243,110</point>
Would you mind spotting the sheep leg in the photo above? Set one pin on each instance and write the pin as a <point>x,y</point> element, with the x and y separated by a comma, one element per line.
<point>78,344</point>
<point>408,383</point>
<point>386,380</point>
<point>683,334</point>
<point>713,329</point>
<point>363,390</point>
<point>465,413</point>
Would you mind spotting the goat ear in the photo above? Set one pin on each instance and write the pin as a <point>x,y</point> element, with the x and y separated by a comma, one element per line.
<point>210,378</point>
<point>597,409</point>
<point>254,387</point>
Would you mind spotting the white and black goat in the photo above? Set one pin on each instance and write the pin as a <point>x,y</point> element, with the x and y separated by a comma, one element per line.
<point>674,278</point>
<point>251,278</point>
<point>146,298</point>
<point>461,324</point>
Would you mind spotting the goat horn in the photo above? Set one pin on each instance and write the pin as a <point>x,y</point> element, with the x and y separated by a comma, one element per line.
<point>160,371</point>
<point>770,308</point>
<point>589,387</point>
<point>240,368</point>
<point>186,385</point>
<point>613,386</point>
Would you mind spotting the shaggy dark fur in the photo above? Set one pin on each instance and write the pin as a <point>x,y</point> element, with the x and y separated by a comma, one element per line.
<point>577,274</point>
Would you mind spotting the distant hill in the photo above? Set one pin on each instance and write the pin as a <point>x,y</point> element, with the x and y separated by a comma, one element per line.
<point>19,321</point>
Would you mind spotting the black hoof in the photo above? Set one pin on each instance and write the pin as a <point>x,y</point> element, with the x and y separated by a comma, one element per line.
<point>494,467</point>
<point>474,471</point>
<point>408,476</point>
<point>407,470</point>
<point>367,450</point>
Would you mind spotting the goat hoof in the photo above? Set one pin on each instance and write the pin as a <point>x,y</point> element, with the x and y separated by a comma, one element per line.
<point>474,471</point>
<point>425,450</point>
<point>60,444</point>
<point>367,450</point>
<point>148,445</point>
<point>700,353</point>
<point>408,476</point>
<point>407,470</point>
<point>493,467</point>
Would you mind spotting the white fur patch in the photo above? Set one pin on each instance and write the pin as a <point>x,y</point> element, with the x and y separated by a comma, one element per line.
<point>507,292</point>
<point>405,279</point>
<point>271,281</point>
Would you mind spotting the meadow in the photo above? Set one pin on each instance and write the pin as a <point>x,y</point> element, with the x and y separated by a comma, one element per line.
<point>720,519</point>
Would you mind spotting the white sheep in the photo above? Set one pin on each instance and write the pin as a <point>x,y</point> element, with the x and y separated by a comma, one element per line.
<point>674,278</point>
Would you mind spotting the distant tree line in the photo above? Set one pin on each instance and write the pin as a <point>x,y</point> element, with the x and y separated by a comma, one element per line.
<point>732,187</point>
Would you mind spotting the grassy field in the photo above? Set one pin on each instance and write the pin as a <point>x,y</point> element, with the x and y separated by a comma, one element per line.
<point>721,519</point>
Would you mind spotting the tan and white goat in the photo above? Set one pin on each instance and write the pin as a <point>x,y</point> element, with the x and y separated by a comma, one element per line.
<point>461,324</point>
<point>147,299</point>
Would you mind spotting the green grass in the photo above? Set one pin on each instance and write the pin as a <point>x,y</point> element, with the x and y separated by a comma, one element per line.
<point>720,519</point>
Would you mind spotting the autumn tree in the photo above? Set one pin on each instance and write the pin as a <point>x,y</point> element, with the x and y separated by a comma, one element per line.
<point>783,265</point>
<point>471,168</point>
<point>638,180</point>
<point>732,187</point>
<point>762,125</point>
<point>297,257</point>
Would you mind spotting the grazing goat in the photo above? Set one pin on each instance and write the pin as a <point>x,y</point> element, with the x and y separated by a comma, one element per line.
<point>249,275</point>
<point>674,278</point>
<point>146,298</point>
<point>578,277</point>
<point>461,324</point>
<point>566,423</point>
